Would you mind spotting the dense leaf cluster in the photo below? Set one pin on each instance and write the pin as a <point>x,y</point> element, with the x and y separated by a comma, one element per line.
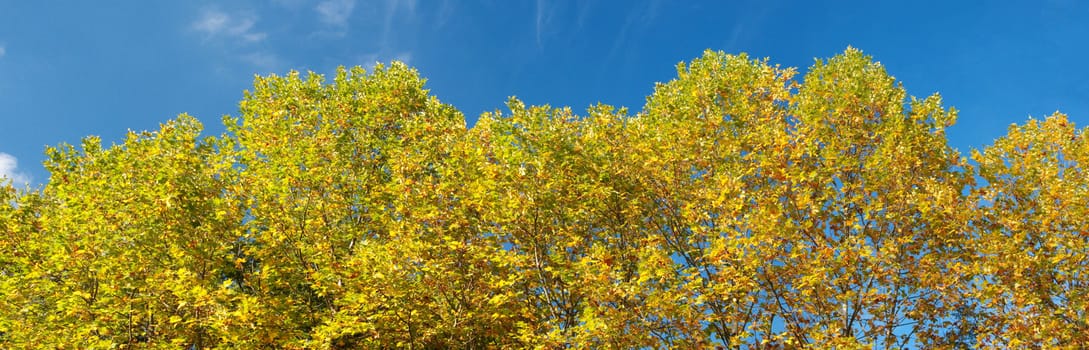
<point>742,207</point>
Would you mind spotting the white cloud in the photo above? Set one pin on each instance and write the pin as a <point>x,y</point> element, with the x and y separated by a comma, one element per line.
<point>540,20</point>
<point>237,36</point>
<point>9,171</point>
<point>410,5</point>
<point>290,4</point>
<point>446,11</point>
<point>404,57</point>
<point>264,62</point>
<point>369,60</point>
<point>335,12</point>
<point>216,23</point>
<point>3,51</point>
<point>393,10</point>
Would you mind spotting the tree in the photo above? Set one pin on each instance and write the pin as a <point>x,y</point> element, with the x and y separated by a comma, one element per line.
<point>125,245</point>
<point>1032,236</point>
<point>742,207</point>
<point>362,231</point>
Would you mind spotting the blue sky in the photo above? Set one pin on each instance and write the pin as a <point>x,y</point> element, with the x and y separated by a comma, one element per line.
<point>78,68</point>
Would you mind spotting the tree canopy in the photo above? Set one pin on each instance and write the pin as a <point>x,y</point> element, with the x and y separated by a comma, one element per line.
<point>744,206</point>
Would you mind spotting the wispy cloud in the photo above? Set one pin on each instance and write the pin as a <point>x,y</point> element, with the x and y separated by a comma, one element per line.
<point>291,4</point>
<point>9,171</point>
<point>393,8</point>
<point>405,57</point>
<point>543,15</point>
<point>3,51</point>
<point>389,19</point>
<point>745,27</point>
<point>446,10</point>
<point>552,20</point>
<point>638,19</point>
<point>214,23</point>
<point>410,5</point>
<point>265,62</point>
<point>236,34</point>
<point>735,35</point>
<point>369,60</point>
<point>335,12</point>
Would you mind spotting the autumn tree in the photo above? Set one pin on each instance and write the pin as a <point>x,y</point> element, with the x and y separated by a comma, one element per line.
<point>125,245</point>
<point>744,206</point>
<point>361,229</point>
<point>1033,237</point>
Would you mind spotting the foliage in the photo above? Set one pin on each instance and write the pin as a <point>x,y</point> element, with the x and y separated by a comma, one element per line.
<point>1033,238</point>
<point>741,208</point>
